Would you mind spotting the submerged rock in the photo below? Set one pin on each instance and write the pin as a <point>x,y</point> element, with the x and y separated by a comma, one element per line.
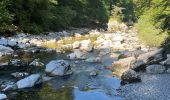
<point>58,67</point>
<point>77,54</point>
<point>29,81</point>
<point>17,62</point>
<point>19,74</point>
<point>130,76</point>
<point>2,96</point>
<point>37,63</point>
<point>155,69</point>
<point>93,60</point>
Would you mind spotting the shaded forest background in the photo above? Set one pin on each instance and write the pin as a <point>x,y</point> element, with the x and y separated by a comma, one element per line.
<point>151,18</point>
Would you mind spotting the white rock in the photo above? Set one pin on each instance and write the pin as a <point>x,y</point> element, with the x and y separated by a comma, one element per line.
<point>86,45</point>
<point>76,45</point>
<point>77,35</point>
<point>79,54</point>
<point>29,81</point>
<point>19,74</point>
<point>57,67</point>
<point>106,44</point>
<point>117,38</point>
<point>37,63</point>
<point>155,69</point>
<point>3,96</point>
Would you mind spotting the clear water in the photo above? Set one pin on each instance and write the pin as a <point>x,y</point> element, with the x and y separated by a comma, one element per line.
<point>79,86</point>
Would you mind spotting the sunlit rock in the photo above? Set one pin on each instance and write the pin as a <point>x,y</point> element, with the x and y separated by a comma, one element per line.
<point>3,96</point>
<point>29,81</point>
<point>86,45</point>
<point>76,45</point>
<point>37,63</point>
<point>122,65</point>
<point>58,67</point>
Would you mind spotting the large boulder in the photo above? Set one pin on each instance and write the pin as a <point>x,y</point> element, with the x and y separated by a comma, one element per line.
<point>29,81</point>
<point>122,65</point>
<point>155,69</point>
<point>130,76</point>
<point>3,96</point>
<point>58,67</point>
<point>146,58</point>
<point>5,50</point>
<point>76,45</point>
<point>77,54</point>
<point>86,45</point>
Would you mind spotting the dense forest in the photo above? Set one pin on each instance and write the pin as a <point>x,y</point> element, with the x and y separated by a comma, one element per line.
<point>150,17</point>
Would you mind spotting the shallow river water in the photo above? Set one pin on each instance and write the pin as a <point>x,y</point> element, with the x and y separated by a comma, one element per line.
<point>78,86</point>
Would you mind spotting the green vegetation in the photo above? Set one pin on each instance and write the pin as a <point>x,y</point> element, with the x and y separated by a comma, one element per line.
<point>151,18</point>
<point>35,16</point>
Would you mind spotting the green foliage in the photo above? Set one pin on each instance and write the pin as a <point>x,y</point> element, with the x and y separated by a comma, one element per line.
<point>152,18</point>
<point>5,17</point>
<point>60,17</point>
<point>35,16</point>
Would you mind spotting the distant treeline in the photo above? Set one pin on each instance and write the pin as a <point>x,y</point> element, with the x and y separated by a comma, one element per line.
<point>34,16</point>
<point>151,18</point>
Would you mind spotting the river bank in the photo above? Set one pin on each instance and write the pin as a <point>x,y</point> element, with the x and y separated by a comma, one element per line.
<point>78,63</point>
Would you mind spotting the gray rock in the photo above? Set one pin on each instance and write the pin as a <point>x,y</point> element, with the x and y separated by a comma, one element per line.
<point>3,96</point>
<point>37,63</point>
<point>167,61</point>
<point>93,60</point>
<point>19,74</point>
<point>58,67</point>
<point>17,62</point>
<point>168,71</point>
<point>130,76</point>
<point>29,81</point>
<point>5,50</point>
<point>145,57</point>
<point>155,69</point>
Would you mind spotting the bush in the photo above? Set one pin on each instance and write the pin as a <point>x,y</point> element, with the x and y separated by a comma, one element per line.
<point>5,18</point>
